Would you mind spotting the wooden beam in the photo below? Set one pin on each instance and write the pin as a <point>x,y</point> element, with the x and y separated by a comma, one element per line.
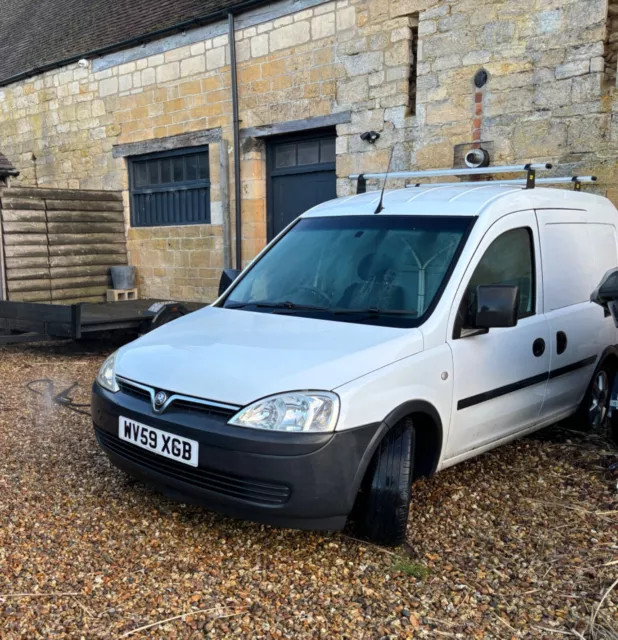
<point>294,126</point>
<point>192,139</point>
<point>23,215</point>
<point>23,227</point>
<point>25,238</point>
<point>104,259</point>
<point>84,227</point>
<point>30,296</point>
<point>70,301</point>
<point>22,203</point>
<point>27,262</point>
<point>64,194</point>
<point>78,272</point>
<point>85,216</point>
<point>88,249</point>
<point>25,251</point>
<point>42,284</point>
<point>62,294</point>
<point>83,205</point>
<point>83,238</point>
<point>81,281</point>
<point>34,273</point>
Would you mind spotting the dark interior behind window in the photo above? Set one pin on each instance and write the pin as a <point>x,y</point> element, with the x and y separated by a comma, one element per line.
<point>170,188</point>
<point>508,260</point>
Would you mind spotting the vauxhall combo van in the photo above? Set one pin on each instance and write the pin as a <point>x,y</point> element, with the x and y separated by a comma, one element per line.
<point>373,342</point>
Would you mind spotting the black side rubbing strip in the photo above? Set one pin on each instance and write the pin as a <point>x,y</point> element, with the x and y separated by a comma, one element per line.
<point>501,391</point>
<point>522,384</point>
<point>572,367</point>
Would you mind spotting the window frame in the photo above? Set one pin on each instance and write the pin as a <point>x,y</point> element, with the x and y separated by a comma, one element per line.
<point>460,330</point>
<point>184,185</point>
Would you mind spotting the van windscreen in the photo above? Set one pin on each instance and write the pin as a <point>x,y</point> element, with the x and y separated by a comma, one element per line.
<point>385,270</point>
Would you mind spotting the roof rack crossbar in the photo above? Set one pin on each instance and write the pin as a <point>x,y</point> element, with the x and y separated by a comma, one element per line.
<point>577,181</point>
<point>436,173</point>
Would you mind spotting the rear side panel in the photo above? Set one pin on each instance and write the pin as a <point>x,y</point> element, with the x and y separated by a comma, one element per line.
<point>576,251</point>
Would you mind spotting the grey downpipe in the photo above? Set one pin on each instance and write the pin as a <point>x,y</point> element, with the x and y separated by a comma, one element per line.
<point>236,123</point>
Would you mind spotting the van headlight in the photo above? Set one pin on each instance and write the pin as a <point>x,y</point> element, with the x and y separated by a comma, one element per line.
<point>107,374</point>
<point>308,412</point>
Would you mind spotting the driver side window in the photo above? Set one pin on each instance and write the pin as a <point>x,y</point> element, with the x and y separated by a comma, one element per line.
<point>508,260</point>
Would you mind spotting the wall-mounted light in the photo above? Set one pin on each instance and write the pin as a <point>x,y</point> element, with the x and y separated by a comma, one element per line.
<point>370,136</point>
<point>83,63</point>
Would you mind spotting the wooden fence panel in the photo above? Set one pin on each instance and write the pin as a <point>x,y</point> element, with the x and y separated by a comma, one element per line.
<point>57,245</point>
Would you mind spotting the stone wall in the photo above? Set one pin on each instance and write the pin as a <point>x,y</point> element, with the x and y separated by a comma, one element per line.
<point>611,41</point>
<point>550,96</point>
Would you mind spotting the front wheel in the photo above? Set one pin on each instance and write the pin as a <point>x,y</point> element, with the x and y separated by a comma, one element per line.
<point>383,503</point>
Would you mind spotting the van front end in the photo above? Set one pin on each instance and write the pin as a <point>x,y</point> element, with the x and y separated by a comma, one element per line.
<point>191,453</point>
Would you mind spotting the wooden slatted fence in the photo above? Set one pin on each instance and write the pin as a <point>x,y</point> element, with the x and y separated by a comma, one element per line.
<point>57,245</point>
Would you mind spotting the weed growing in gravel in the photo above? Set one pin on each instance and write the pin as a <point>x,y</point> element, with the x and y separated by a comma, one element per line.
<point>413,569</point>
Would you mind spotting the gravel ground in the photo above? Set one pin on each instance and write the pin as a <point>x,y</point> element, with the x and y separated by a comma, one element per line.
<point>519,543</point>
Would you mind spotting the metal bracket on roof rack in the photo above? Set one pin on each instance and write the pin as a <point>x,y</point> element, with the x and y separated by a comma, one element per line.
<point>530,177</point>
<point>578,180</point>
<point>361,185</point>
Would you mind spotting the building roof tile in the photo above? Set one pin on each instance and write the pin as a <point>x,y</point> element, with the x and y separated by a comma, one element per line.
<point>35,34</point>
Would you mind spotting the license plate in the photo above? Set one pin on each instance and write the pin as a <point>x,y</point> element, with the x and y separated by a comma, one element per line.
<point>160,442</point>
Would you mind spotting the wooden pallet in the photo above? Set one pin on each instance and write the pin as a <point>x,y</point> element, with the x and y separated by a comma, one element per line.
<point>116,295</point>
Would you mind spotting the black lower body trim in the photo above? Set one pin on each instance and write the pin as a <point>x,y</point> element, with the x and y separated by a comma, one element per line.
<point>522,384</point>
<point>283,479</point>
<point>572,367</point>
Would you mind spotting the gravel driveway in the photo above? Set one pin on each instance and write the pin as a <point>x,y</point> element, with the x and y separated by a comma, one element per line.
<point>519,543</point>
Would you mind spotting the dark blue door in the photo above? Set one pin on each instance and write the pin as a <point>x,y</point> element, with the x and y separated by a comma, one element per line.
<point>301,175</point>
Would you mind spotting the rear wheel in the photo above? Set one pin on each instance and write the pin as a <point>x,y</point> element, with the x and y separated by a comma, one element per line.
<point>594,409</point>
<point>383,503</point>
<point>598,402</point>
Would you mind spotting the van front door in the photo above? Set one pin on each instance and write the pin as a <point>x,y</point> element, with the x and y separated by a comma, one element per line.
<point>499,377</point>
<point>576,254</point>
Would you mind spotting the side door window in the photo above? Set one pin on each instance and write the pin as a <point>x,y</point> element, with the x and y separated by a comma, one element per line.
<point>508,260</point>
<point>500,375</point>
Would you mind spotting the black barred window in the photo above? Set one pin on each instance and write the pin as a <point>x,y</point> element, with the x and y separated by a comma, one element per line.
<point>170,188</point>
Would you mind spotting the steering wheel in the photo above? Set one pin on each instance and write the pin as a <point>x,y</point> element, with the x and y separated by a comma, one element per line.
<point>316,292</point>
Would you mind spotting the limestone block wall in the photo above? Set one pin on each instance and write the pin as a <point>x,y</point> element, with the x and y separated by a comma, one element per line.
<point>550,96</point>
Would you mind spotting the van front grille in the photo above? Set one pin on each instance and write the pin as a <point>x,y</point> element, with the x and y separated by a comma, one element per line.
<point>186,403</point>
<point>255,491</point>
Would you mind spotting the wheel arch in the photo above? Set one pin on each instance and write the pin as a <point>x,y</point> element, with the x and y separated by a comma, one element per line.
<point>609,354</point>
<point>429,439</point>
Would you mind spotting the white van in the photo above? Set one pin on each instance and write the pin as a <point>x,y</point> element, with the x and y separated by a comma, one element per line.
<point>362,350</point>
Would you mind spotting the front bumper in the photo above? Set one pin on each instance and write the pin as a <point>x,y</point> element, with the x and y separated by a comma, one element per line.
<point>301,481</point>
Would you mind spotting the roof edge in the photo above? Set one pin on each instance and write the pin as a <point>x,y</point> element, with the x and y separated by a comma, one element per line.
<point>125,44</point>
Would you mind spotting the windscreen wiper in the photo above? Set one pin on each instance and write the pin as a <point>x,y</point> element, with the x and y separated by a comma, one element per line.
<point>374,311</point>
<point>285,305</point>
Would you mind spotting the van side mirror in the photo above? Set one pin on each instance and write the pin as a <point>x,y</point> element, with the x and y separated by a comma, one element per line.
<point>227,277</point>
<point>497,306</point>
<point>607,291</point>
<point>606,294</point>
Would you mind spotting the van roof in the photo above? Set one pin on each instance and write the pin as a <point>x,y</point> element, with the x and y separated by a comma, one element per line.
<point>465,200</point>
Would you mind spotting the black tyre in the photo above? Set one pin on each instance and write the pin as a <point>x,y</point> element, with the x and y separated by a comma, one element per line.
<point>592,414</point>
<point>383,503</point>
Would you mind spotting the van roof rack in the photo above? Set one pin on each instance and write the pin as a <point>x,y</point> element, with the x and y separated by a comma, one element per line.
<point>529,169</point>
<point>529,181</point>
<point>576,181</point>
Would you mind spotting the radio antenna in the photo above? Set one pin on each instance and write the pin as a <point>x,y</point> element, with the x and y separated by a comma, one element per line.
<point>380,206</point>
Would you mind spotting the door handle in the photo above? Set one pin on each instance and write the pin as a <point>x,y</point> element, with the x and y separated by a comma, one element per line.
<point>561,342</point>
<point>538,347</point>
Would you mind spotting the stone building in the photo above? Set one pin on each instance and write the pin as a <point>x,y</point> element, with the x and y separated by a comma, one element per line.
<point>125,97</point>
